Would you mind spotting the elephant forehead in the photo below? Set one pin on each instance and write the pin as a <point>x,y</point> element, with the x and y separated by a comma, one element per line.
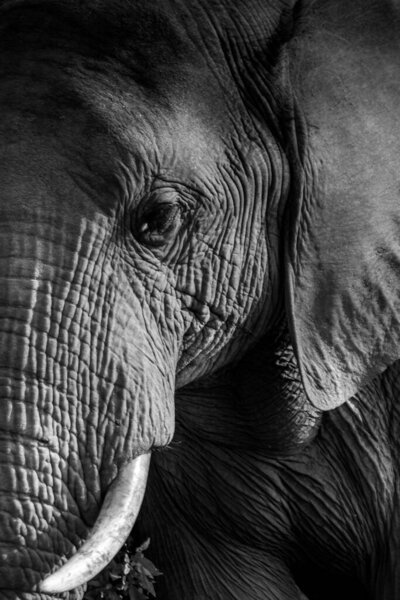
<point>161,42</point>
<point>144,88</point>
<point>166,19</point>
<point>139,91</point>
<point>147,37</point>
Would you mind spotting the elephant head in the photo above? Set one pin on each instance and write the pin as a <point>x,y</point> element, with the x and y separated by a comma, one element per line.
<point>183,187</point>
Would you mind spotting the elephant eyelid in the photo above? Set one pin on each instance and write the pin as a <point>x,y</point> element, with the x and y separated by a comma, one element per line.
<point>156,224</point>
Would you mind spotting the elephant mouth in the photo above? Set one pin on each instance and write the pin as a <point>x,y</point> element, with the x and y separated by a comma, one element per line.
<point>110,531</point>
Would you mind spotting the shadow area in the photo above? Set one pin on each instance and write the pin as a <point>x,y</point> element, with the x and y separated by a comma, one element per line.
<point>318,585</point>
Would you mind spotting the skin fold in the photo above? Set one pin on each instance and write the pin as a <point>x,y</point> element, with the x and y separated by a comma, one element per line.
<point>323,520</point>
<point>199,256</point>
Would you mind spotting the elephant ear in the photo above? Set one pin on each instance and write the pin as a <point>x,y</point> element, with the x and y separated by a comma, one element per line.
<point>343,244</point>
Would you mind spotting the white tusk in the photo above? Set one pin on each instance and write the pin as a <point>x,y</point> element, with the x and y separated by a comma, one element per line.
<point>110,531</point>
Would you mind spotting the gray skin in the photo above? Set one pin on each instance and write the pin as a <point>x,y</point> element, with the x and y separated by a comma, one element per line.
<point>199,230</point>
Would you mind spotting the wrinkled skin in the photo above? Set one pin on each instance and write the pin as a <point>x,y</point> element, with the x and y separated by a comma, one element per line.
<point>322,520</point>
<point>199,252</point>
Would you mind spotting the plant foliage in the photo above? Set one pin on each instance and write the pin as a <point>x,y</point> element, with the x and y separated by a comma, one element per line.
<point>130,576</point>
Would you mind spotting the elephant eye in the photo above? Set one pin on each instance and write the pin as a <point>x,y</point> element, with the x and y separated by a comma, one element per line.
<point>159,223</point>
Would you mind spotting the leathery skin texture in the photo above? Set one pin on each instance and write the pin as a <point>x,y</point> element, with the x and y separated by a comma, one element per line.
<point>195,261</point>
<point>101,317</point>
<point>57,323</point>
<point>317,523</point>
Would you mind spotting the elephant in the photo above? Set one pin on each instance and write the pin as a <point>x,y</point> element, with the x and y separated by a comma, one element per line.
<point>199,296</point>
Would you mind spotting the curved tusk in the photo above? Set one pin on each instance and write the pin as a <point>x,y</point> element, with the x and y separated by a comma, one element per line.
<point>110,531</point>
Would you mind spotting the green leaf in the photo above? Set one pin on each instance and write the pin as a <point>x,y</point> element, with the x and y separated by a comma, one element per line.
<point>150,567</point>
<point>130,576</point>
<point>150,589</point>
<point>135,594</point>
<point>144,546</point>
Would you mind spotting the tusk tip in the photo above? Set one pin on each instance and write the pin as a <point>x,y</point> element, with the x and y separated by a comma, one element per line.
<point>111,530</point>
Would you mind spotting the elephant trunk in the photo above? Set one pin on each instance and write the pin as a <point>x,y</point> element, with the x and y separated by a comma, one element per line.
<point>87,359</point>
<point>42,494</point>
<point>74,408</point>
<point>39,521</point>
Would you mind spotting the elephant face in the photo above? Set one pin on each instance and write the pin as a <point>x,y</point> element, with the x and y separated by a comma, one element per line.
<point>168,214</point>
<point>133,248</point>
